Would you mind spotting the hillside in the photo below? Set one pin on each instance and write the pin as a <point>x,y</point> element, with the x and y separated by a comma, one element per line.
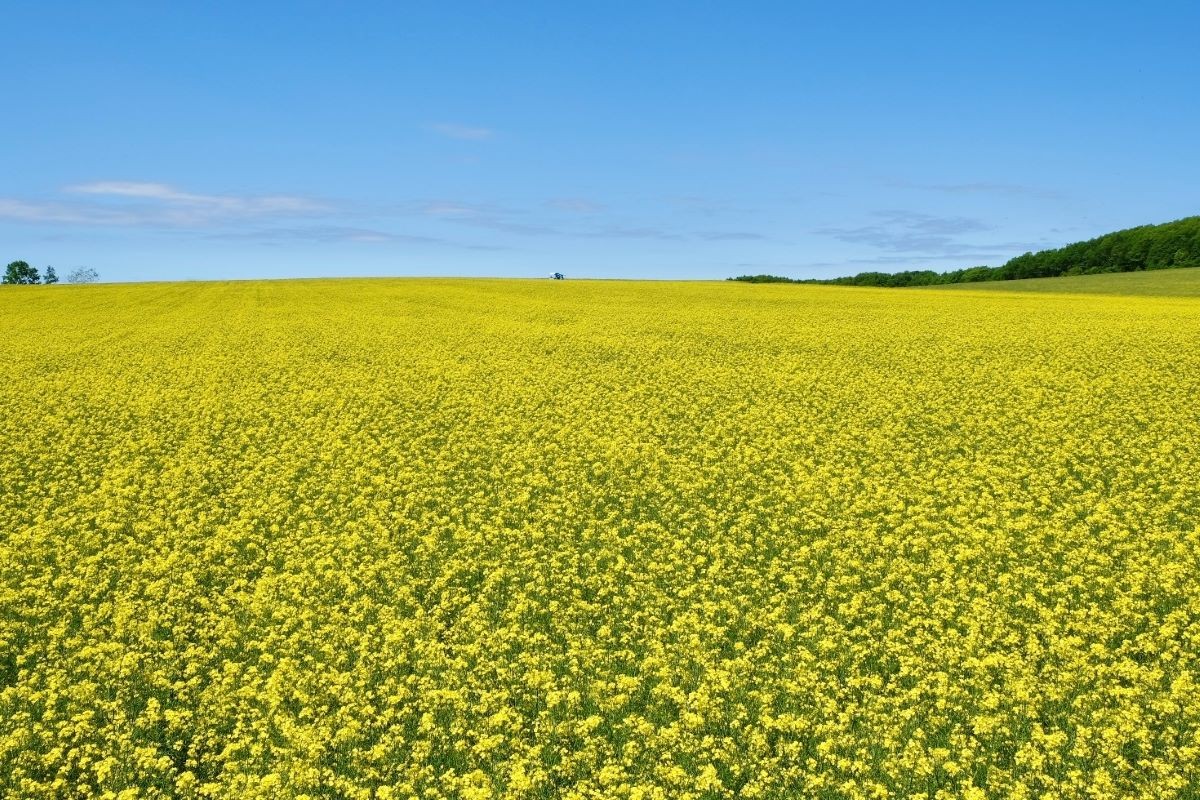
<point>1155,283</point>
<point>1148,247</point>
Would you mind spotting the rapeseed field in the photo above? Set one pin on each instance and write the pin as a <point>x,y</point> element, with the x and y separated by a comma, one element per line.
<point>499,539</point>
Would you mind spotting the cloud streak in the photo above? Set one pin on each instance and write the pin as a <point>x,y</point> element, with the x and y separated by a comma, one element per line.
<point>465,133</point>
<point>575,205</point>
<point>279,218</point>
<point>327,233</point>
<point>633,232</point>
<point>25,211</point>
<point>732,236</point>
<point>233,205</point>
<point>911,232</point>
<point>484,216</point>
<point>131,203</point>
<point>982,187</point>
<point>508,221</point>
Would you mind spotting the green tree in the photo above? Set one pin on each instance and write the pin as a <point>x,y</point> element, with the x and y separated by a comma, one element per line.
<point>21,272</point>
<point>51,276</point>
<point>1171,244</point>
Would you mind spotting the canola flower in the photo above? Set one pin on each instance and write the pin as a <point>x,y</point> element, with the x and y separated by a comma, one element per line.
<point>487,539</point>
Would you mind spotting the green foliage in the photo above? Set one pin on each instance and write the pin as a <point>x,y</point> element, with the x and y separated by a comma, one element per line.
<point>765,279</point>
<point>1148,247</point>
<point>20,272</point>
<point>1172,244</point>
<point>51,276</point>
<point>924,277</point>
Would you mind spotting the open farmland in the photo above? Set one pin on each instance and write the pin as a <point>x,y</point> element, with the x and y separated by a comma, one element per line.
<point>474,539</point>
<point>1163,282</point>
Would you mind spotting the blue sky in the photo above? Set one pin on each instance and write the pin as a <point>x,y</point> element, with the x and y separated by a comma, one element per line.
<point>163,141</point>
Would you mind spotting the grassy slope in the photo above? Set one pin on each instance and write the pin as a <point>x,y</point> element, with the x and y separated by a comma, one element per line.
<point>1164,282</point>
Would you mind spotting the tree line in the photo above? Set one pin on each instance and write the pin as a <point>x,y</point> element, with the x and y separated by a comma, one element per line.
<point>1166,246</point>
<point>20,272</point>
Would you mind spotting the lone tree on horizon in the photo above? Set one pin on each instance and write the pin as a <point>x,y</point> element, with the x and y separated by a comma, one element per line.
<point>21,272</point>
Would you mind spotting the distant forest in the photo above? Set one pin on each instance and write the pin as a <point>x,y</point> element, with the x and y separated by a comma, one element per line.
<point>1172,244</point>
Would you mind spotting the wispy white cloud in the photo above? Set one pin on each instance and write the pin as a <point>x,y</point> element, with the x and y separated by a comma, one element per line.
<point>576,205</point>
<point>279,218</point>
<point>467,133</point>
<point>484,216</point>
<point>134,203</point>
<point>32,211</point>
<point>704,206</point>
<point>343,234</point>
<point>327,233</point>
<point>982,187</point>
<point>912,232</point>
<point>731,236</point>
<point>517,221</point>
<point>233,205</point>
<point>633,232</point>
<point>456,210</point>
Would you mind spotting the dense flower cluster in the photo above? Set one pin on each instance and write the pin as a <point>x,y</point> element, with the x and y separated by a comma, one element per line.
<point>483,539</point>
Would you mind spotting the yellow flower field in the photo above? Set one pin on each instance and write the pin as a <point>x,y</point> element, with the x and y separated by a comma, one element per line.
<point>483,539</point>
